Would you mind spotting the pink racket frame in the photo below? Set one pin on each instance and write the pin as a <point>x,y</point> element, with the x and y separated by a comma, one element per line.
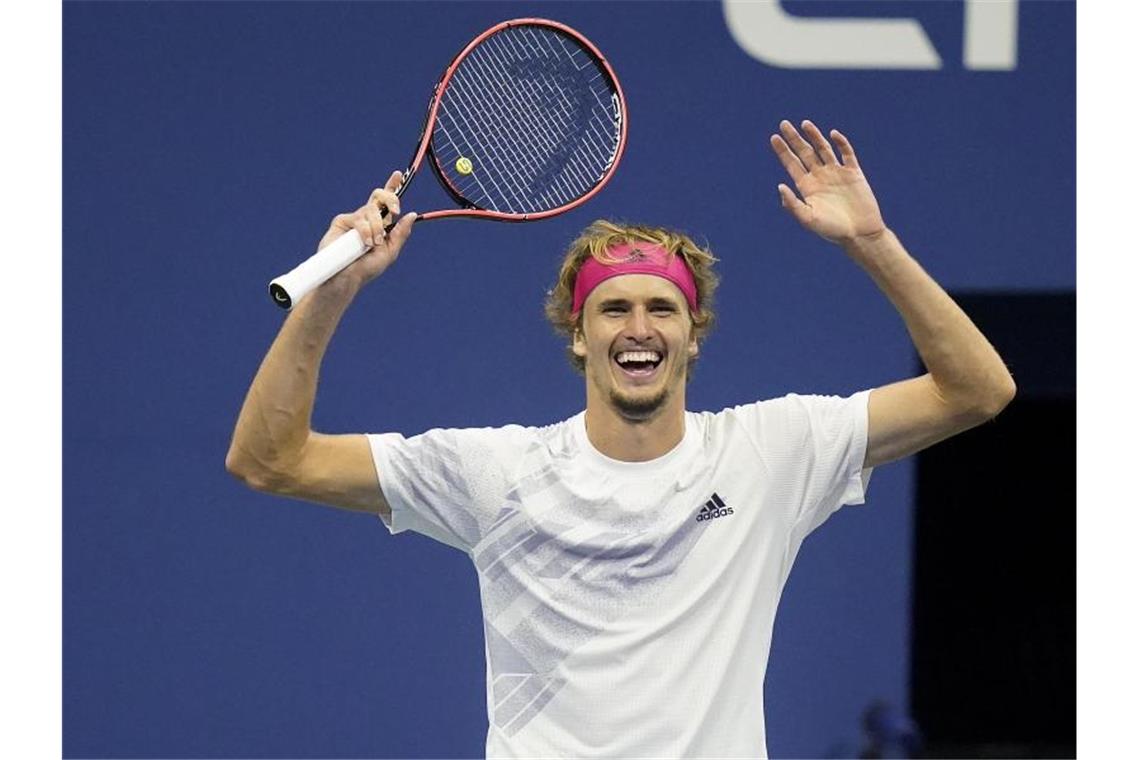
<point>433,107</point>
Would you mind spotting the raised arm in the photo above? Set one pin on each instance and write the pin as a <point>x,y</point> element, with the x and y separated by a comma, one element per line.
<point>273,448</point>
<point>967,383</point>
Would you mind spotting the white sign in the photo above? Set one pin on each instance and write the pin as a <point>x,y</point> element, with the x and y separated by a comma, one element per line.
<point>768,33</point>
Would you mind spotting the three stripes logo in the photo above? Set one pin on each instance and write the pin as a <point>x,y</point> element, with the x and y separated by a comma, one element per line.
<point>714,508</point>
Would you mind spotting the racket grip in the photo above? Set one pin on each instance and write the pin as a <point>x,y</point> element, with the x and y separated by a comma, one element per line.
<point>288,289</point>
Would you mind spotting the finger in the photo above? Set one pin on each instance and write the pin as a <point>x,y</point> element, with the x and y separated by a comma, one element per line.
<point>402,230</point>
<point>797,208</point>
<point>361,225</point>
<point>394,181</point>
<point>799,145</point>
<point>364,229</point>
<point>845,149</point>
<point>377,228</point>
<point>819,143</point>
<point>387,202</point>
<point>340,224</point>
<point>789,160</point>
<point>383,197</point>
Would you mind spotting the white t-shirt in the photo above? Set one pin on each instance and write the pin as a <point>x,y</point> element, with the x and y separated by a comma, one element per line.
<point>628,606</point>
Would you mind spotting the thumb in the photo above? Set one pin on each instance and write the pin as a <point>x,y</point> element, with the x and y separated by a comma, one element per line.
<point>797,208</point>
<point>403,228</point>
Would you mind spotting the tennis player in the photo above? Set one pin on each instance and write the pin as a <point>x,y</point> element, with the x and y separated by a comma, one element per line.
<point>630,558</point>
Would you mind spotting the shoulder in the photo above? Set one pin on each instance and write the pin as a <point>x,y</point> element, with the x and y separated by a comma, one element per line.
<point>517,437</point>
<point>789,407</point>
<point>477,444</point>
<point>789,418</point>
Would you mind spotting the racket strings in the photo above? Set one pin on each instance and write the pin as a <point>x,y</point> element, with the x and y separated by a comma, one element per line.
<point>570,122</point>
<point>555,131</point>
<point>513,130</point>
<point>534,114</point>
<point>572,88</point>
<point>511,127</point>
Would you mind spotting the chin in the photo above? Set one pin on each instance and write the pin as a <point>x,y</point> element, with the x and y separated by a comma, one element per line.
<point>639,408</point>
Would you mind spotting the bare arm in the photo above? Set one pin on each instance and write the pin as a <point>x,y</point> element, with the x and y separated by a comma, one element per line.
<point>967,383</point>
<point>274,448</point>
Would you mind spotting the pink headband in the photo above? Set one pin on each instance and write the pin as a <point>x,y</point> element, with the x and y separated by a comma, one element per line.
<point>635,258</point>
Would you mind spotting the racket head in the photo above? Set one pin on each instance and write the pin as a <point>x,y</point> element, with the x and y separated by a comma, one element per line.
<point>528,121</point>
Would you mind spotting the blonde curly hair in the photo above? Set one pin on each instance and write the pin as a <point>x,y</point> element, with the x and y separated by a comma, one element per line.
<point>596,240</point>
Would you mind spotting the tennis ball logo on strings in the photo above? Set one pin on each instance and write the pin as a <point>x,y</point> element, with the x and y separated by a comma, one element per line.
<point>463,165</point>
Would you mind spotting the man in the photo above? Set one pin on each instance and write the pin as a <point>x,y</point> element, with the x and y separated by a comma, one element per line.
<point>631,558</point>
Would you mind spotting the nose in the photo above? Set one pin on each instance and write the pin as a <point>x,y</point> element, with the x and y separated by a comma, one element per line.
<point>638,324</point>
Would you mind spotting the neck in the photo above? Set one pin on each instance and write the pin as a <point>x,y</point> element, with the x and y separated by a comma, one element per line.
<point>634,440</point>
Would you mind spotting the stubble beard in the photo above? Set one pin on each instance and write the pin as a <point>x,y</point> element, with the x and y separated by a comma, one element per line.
<point>639,408</point>
<point>643,408</point>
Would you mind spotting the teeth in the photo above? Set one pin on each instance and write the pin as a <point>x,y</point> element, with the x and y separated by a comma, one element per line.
<point>638,356</point>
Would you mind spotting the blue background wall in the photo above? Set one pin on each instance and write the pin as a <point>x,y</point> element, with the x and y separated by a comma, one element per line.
<point>206,146</point>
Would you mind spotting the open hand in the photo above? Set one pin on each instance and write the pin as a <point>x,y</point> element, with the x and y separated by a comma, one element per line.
<point>837,204</point>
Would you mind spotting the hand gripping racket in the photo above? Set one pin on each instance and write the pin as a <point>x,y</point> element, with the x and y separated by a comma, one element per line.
<point>527,122</point>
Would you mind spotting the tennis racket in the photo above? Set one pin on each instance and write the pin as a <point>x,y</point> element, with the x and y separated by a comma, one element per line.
<point>527,122</point>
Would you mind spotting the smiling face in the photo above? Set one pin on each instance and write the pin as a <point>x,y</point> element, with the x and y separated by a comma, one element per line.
<point>636,337</point>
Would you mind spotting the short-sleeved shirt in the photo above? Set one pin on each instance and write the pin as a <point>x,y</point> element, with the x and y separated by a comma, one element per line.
<point>628,606</point>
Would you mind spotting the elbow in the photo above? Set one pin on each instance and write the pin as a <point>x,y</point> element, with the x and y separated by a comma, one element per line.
<point>997,398</point>
<point>237,464</point>
<point>253,475</point>
<point>1009,390</point>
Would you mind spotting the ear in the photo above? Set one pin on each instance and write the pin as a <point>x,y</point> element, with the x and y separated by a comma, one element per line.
<point>694,348</point>
<point>579,344</point>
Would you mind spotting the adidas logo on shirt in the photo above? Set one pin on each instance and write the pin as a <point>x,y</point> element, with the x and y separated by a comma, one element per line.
<point>714,508</point>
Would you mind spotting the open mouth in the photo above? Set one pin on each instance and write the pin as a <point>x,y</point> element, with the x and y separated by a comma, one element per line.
<point>638,363</point>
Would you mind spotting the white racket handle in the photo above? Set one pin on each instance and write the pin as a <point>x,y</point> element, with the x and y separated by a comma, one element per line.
<point>288,289</point>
